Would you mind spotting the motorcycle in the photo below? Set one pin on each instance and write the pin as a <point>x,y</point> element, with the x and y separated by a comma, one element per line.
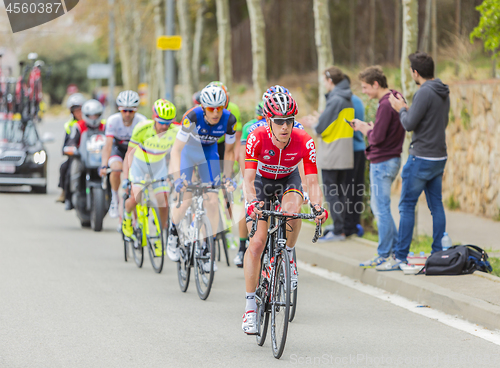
<point>91,194</point>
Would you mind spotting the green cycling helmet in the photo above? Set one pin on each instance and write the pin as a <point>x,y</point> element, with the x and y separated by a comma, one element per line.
<point>259,109</point>
<point>164,109</point>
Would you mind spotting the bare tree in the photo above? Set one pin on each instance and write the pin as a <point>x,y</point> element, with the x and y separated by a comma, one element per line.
<point>224,32</point>
<point>458,25</point>
<point>397,30</point>
<point>323,44</point>
<point>185,66</point>
<point>424,42</point>
<point>410,43</point>
<point>198,35</point>
<point>371,46</point>
<point>258,30</point>
<point>157,73</point>
<point>352,30</point>
<point>434,31</point>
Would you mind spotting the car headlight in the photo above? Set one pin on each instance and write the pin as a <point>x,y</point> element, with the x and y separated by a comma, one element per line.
<point>39,157</point>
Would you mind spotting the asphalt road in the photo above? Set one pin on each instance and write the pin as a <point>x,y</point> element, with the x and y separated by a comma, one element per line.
<point>68,299</point>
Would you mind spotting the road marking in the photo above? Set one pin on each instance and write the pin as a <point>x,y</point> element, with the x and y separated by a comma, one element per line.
<point>452,321</point>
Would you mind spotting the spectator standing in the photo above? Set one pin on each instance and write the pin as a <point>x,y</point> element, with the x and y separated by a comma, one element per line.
<point>427,119</point>
<point>335,148</point>
<point>385,139</point>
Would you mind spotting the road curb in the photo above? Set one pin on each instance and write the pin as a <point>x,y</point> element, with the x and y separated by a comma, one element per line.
<point>411,287</point>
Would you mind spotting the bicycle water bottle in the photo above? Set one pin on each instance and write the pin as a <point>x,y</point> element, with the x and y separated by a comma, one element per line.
<point>446,241</point>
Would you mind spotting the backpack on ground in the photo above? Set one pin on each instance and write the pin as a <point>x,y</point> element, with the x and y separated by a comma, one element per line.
<point>457,260</point>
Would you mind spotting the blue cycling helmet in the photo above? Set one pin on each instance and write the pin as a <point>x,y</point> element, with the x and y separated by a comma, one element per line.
<point>274,89</point>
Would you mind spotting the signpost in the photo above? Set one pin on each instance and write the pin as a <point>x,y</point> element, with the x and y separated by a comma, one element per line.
<point>99,71</point>
<point>169,42</point>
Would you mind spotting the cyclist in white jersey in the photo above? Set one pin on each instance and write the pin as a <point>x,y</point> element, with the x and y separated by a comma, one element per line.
<point>119,129</point>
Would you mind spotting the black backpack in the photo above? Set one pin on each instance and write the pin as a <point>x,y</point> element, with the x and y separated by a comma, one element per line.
<point>457,260</point>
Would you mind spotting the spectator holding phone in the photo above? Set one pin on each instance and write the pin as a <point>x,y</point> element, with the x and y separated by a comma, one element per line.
<point>427,119</point>
<point>385,144</point>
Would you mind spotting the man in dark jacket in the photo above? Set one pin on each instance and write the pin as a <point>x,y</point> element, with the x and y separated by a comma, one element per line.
<point>427,118</point>
<point>335,148</point>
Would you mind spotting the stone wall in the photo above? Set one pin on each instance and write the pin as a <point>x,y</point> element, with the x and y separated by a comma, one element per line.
<point>472,175</point>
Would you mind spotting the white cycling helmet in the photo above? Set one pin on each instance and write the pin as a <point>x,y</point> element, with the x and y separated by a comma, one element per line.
<point>128,99</point>
<point>90,108</point>
<point>213,96</point>
<point>76,99</point>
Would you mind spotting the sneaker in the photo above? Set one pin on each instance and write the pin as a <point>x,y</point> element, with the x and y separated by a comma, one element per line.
<point>238,260</point>
<point>392,264</point>
<point>173,249</point>
<point>158,248</point>
<point>361,231</point>
<point>331,237</point>
<point>61,198</point>
<point>206,266</point>
<point>113,209</point>
<point>68,206</point>
<point>294,278</point>
<point>249,325</point>
<point>127,228</point>
<point>374,262</point>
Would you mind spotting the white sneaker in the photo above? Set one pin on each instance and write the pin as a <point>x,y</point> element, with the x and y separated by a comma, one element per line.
<point>206,266</point>
<point>294,278</point>
<point>249,324</point>
<point>113,209</point>
<point>238,260</point>
<point>172,248</point>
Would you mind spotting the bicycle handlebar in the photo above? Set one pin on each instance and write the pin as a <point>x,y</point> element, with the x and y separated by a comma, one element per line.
<point>196,186</point>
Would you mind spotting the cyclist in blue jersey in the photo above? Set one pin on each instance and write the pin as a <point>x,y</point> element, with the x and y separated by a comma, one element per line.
<point>196,145</point>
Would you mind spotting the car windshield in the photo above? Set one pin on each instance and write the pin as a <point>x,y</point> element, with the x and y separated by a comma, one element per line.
<point>18,132</point>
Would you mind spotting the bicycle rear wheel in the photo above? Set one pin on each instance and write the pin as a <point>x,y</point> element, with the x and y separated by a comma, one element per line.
<point>204,258</point>
<point>136,246</point>
<point>262,298</point>
<point>186,251</point>
<point>280,303</point>
<point>156,240</point>
<point>293,298</point>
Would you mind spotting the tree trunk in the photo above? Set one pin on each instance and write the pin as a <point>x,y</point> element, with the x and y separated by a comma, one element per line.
<point>397,30</point>
<point>157,80</point>
<point>224,32</point>
<point>434,31</point>
<point>371,47</point>
<point>352,30</point>
<point>323,45</point>
<point>424,42</point>
<point>410,35</point>
<point>198,35</point>
<point>258,30</point>
<point>458,25</point>
<point>185,64</point>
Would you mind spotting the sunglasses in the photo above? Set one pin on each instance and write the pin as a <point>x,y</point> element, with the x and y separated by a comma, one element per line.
<point>128,110</point>
<point>163,121</point>
<point>281,121</point>
<point>212,109</point>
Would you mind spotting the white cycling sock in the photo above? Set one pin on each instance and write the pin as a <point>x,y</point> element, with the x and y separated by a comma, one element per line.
<point>114,196</point>
<point>290,252</point>
<point>251,305</point>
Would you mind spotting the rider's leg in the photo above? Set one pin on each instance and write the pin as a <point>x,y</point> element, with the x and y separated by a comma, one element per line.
<point>162,201</point>
<point>292,202</point>
<point>211,204</point>
<point>252,256</point>
<point>114,176</point>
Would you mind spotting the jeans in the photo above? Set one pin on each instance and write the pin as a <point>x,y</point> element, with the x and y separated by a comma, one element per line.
<point>334,191</point>
<point>355,185</point>
<point>382,175</point>
<point>420,175</point>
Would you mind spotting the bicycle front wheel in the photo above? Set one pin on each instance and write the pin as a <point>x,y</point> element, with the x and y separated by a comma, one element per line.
<point>156,240</point>
<point>280,303</point>
<point>186,253</point>
<point>204,258</point>
<point>293,298</point>
<point>262,297</point>
<point>136,246</point>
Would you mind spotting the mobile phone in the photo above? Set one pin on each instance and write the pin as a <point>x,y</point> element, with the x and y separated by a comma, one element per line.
<point>350,122</point>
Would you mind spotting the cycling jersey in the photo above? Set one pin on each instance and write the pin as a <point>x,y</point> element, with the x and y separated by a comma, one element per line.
<point>254,124</point>
<point>68,125</point>
<point>274,163</point>
<point>151,146</point>
<point>76,133</point>
<point>196,130</point>
<point>235,110</point>
<point>121,133</point>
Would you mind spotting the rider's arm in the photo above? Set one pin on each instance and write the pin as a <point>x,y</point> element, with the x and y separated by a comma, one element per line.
<point>241,156</point>
<point>106,151</point>
<point>175,159</point>
<point>229,159</point>
<point>249,187</point>
<point>315,195</point>
<point>129,156</point>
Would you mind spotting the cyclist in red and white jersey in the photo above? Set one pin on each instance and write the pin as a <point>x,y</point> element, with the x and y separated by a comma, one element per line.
<point>273,153</point>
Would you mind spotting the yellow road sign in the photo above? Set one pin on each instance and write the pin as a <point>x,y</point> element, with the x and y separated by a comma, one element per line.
<point>169,42</point>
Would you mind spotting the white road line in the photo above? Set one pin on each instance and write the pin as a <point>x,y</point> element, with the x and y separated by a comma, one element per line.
<point>452,321</point>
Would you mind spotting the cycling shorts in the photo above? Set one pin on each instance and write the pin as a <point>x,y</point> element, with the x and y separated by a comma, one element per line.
<point>117,154</point>
<point>205,158</point>
<point>266,188</point>
<point>155,170</point>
